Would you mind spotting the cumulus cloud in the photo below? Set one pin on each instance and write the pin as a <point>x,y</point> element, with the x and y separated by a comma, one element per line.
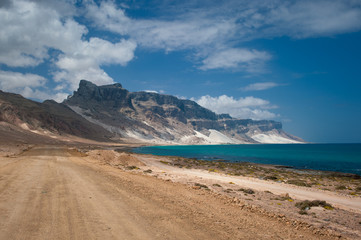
<point>245,108</point>
<point>85,62</point>
<point>108,16</point>
<point>260,86</point>
<point>26,85</point>
<point>29,30</point>
<point>14,80</point>
<point>34,32</point>
<point>42,95</point>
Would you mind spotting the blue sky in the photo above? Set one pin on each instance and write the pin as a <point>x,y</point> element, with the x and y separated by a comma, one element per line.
<point>298,62</point>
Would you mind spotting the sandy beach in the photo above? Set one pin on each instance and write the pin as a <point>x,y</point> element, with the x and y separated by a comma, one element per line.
<point>62,192</point>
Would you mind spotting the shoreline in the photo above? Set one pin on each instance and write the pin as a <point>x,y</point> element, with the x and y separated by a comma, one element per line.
<point>277,166</point>
<point>281,166</point>
<point>275,173</point>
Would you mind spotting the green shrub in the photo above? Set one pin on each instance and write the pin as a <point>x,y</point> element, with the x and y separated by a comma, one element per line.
<point>270,178</point>
<point>298,182</point>
<point>201,185</point>
<point>132,167</point>
<point>305,205</point>
<point>246,190</point>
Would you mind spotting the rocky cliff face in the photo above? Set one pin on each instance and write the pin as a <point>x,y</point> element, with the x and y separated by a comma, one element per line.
<point>159,118</point>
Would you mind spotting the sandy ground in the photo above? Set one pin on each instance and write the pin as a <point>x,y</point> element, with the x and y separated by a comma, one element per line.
<point>54,192</point>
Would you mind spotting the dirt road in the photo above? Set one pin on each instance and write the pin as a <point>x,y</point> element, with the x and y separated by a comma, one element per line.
<point>54,193</point>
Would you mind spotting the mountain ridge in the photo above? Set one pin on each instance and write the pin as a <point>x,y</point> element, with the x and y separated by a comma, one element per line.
<point>111,113</point>
<point>160,118</point>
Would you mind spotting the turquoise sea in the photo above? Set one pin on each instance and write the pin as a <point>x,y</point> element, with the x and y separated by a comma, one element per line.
<point>329,157</point>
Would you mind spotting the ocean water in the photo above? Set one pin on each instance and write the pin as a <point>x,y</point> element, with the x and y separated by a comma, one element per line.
<point>328,157</point>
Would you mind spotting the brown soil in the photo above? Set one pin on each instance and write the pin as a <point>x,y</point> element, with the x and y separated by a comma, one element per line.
<point>54,192</point>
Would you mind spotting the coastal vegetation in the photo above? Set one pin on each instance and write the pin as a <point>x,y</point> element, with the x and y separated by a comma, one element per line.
<point>345,183</point>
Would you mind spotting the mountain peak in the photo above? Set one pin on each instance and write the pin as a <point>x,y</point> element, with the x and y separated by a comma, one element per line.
<point>86,84</point>
<point>88,94</point>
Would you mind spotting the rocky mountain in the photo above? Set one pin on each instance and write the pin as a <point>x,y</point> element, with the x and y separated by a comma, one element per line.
<point>31,120</point>
<point>158,118</point>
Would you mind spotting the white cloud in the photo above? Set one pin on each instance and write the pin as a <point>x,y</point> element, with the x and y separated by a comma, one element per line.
<point>302,19</point>
<point>184,97</point>
<point>150,91</point>
<point>213,29</point>
<point>85,62</point>
<point>71,78</point>
<point>206,35</point>
<point>10,81</point>
<point>248,107</point>
<point>26,84</point>
<point>29,29</point>
<point>235,58</point>
<point>42,95</point>
<point>64,7</point>
<point>107,15</point>
<point>154,91</point>
<point>177,34</point>
<point>260,86</point>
